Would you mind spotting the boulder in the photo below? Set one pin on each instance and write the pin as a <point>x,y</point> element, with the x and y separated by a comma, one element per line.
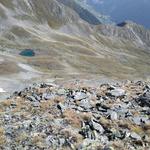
<point>117,92</point>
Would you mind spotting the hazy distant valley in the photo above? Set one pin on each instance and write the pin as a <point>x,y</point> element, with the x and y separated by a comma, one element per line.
<point>67,44</point>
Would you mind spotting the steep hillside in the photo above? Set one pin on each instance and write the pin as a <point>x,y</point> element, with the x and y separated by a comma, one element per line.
<point>66,45</point>
<point>89,5</point>
<point>82,12</point>
<point>127,30</point>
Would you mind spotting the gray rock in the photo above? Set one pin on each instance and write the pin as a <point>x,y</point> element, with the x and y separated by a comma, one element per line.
<point>108,148</point>
<point>80,96</point>
<point>86,131</point>
<point>89,144</point>
<point>137,120</point>
<point>61,92</point>
<point>38,98</point>
<point>146,138</point>
<point>128,114</point>
<point>50,84</point>
<point>80,108</point>
<point>144,100</point>
<point>61,141</point>
<point>101,107</point>
<point>127,133</point>
<point>147,112</point>
<point>148,86</point>
<point>113,116</point>
<point>36,104</point>
<point>104,139</point>
<point>61,107</point>
<point>10,132</point>
<point>85,104</point>
<point>26,124</point>
<point>117,92</point>
<point>48,96</point>
<point>135,136</point>
<point>7,118</point>
<point>98,127</point>
<point>140,120</point>
<point>51,140</point>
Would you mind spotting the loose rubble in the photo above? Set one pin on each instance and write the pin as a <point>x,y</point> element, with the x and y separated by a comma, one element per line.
<point>76,116</point>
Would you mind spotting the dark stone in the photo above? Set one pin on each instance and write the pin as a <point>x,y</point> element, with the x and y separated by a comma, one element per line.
<point>15,93</point>
<point>105,107</point>
<point>144,100</point>
<point>122,24</point>
<point>31,98</point>
<point>38,98</point>
<point>101,107</point>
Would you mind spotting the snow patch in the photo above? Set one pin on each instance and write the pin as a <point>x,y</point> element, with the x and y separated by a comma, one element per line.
<point>27,68</point>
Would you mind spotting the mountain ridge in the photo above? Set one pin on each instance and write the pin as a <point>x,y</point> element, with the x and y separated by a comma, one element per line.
<point>66,45</point>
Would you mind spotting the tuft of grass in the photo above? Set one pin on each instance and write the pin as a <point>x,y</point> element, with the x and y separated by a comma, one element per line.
<point>137,129</point>
<point>2,136</point>
<point>2,131</point>
<point>45,105</point>
<point>22,137</point>
<point>72,117</point>
<point>2,140</point>
<point>37,139</point>
<point>86,116</point>
<point>6,103</point>
<point>117,145</point>
<point>59,99</point>
<point>105,122</point>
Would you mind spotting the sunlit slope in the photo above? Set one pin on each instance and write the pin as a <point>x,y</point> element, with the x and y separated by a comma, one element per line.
<point>67,45</point>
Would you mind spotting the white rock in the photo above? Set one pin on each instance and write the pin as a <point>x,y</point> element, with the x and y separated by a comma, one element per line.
<point>117,92</point>
<point>98,127</point>
<point>135,136</point>
<point>2,91</point>
<point>113,116</point>
<point>80,95</point>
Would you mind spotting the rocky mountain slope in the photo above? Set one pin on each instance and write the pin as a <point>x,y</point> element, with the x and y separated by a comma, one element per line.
<point>77,115</point>
<point>66,45</point>
<point>81,11</point>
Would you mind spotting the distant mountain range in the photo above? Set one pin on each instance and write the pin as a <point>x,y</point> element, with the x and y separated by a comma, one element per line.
<point>120,10</point>
<point>90,6</point>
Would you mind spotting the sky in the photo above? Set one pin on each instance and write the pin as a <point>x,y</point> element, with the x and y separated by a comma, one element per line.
<point>120,10</point>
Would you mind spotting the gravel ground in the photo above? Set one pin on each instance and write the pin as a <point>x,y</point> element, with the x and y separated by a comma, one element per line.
<point>78,115</point>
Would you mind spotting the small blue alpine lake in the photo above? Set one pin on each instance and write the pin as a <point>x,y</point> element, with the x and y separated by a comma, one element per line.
<point>27,53</point>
